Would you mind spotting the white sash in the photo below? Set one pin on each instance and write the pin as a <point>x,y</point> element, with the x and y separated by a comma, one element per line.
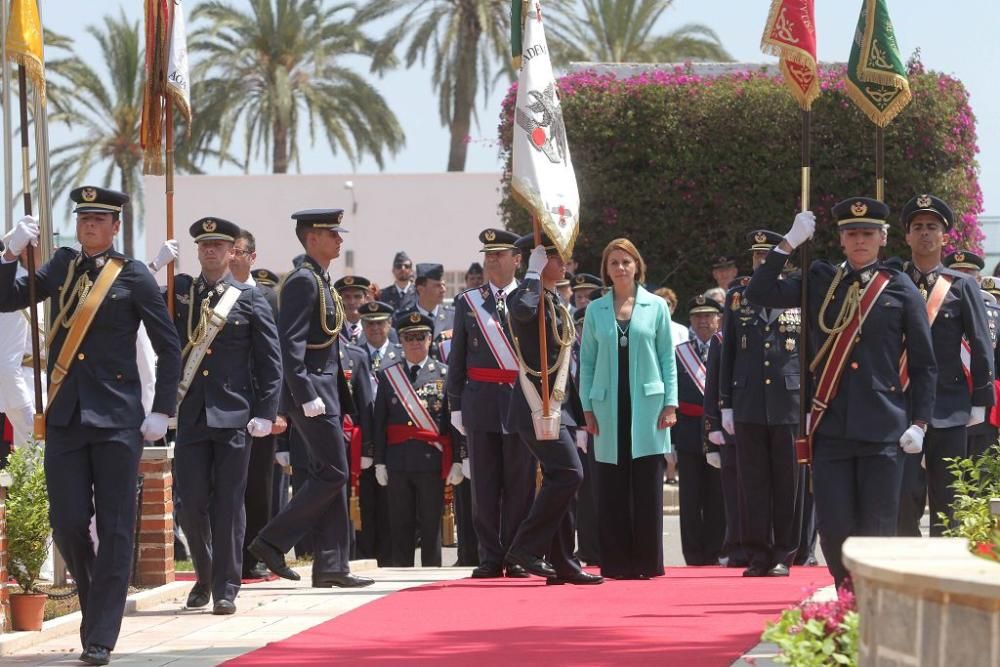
<point>216,320</point>
<point>407,395</point>
<point>496,339</point>
<point>966,354</point>
<point>547,426</point>
<point>692,364</point>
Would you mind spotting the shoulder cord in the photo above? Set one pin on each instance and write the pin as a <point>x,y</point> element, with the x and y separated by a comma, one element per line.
<point>338,311</point>
<point>851,302</point>
<point>69,298</point>
<point>564,338</point>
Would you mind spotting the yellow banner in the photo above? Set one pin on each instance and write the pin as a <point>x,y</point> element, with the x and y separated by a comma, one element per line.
<point>24,41</point>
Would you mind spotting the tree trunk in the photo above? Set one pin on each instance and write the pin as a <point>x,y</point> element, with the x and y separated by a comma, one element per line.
<point>128,217</point>
<point>279,156</point>
<point>465,90</point>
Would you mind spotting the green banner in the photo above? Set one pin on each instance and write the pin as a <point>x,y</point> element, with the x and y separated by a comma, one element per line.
<point>876,74</point>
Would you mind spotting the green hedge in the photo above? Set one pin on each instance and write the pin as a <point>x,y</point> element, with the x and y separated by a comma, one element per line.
<point>685,165</point>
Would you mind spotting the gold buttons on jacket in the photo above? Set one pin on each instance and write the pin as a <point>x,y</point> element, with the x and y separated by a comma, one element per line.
<point>767,381</point>
<point>205,372</point>
<point>767,346</point>
<point>767,363</point>
<point>854,365</point>
<point>208,351</point>
<point>81,356</point>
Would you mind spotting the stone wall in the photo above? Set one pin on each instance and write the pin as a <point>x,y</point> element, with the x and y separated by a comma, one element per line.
<point>156,530</point>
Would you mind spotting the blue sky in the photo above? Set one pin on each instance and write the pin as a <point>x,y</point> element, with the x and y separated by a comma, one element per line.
<point>965,44</point>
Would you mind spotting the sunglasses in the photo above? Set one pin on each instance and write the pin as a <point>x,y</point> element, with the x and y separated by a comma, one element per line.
<point>414,337</point>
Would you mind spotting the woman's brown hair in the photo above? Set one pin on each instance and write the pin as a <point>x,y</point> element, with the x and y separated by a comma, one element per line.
<point>628,248</point>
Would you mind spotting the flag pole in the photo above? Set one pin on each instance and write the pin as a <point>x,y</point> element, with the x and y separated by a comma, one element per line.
<point>8,130</point>
<point>36,357</point>
<point>804,265</point>
<point>170,199</point>
<point>543,343</point>
<point>880,163</point>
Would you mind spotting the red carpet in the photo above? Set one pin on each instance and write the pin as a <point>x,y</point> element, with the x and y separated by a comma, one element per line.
<point>189,576</point>
<point>692,616</point>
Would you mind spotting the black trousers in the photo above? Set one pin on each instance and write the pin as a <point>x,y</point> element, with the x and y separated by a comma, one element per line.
<point>587,536</point>
<point>468,545</point>
<point>257,499</point>
<point>319,506</point>
<point>702,513</point>
<point>211,481</point>
<point>856,489</point>
<point>735,506</point>
<point>770,475</point>
<point>415,499</point>
<point>93,471</point>
<point>931,484</point>
<point>374,540</point>
<point>298,454</point>
<point>549,528</point>
<point>980,439</point>
<point>805,518</point>
<point>503,485</point>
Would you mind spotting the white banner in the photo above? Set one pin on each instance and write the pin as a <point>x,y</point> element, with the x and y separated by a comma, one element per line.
<point>178,82</point>
<point>543,180</point>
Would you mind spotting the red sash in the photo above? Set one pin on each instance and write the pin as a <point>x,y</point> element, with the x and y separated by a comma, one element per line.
<point>491,375</point>
<point>934,301</point>
<point>397,434</point>
<point>352,436</point>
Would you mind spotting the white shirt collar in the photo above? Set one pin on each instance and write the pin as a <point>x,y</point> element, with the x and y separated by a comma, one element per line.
<point>506,290</point>
<point>250,281</point>
<point>382,350</point>
<point>429,313</point>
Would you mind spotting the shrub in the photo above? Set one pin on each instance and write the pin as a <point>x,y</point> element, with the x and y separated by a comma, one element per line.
<point>27,515</point>
<point>817,634</point>
<point>686,165</point>
<point>975,481</point>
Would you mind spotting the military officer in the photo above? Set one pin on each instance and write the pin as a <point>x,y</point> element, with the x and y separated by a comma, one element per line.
<point>229,393</point>
<point>724,271</point>
<point>564,287</point>
<point>482,371</point>
<point>353,292</point>
<point>955,310</point>
<point>702,513</point>
<point>759,399</point>
<point>95,422</point>
<point>401,294</point>
<point>315,396</point>
<point>413,443</point>
<point>584,285</point>
<point>430,297</point>
<point>862,315</point>
<point>982,436</point>
<point>544,542</point>
<point>474,276</point>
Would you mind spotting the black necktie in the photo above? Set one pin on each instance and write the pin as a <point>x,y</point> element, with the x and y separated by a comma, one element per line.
<point>414,369</point>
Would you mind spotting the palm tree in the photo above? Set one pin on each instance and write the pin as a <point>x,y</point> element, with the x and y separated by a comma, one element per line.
<point>616,31</point>
<point>105,112</point>
<point>468,43</point>
<point>273,69</point>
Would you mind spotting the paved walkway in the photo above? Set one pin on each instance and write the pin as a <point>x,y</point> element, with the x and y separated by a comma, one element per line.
<point>267,612</point>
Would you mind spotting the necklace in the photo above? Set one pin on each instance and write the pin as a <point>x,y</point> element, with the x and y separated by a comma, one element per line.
<point>623,333</point>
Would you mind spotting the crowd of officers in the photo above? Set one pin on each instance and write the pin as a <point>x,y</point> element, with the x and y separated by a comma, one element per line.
<point>390,408</point>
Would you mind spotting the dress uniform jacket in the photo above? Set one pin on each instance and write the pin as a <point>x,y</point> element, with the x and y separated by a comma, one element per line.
<point>398,299</point>
<point>759,368</point>
<point>869,406</point>
<point>443,316</point>
<point>984,435</point>
<point>103,382</point>
<point>961,315</point>
<point>686,435</point>
<point>240,375</point>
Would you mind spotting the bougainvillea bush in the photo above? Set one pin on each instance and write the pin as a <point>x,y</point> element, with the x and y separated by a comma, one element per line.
<point>685,165</point>
<point>817,634</point>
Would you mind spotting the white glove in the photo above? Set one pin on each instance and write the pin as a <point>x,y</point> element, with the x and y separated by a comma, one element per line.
<point>259,427</point>
<point>154,427</point>
<point>717,438</point>
<point>714,459</point>
<point>466,469</point>
<point>382,474</point>
<point>314,408</point>
<point>366,462</point>
<point>728,422</point>
<point>165,255</point>
<point>537,260</point>
<point>25,232</point>
<point>802,229</point>
<point>455,475</point>
<point>283,459</point>
<point>581,440</point>
<point>456,421</point>
<point>977,415</point>
<point>912,440</point>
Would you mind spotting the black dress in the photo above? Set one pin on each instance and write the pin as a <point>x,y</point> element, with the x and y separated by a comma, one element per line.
<point>630,497</point>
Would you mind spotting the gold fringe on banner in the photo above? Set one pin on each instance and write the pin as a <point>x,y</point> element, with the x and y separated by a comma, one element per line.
<point>25,43</point>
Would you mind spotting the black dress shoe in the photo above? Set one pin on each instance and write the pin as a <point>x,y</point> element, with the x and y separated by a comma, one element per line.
<point>536,566</point>
<point>341,580</point>
<point>96,655</point>
<point>755,571</point>
<point>198,597</point>
<point>258,571</point>
<point>223,608</point>
<point>577,578</point>
<point>274,559</point>
<point>779,570</point>
<point>515,571</point>
<point>487,571</point>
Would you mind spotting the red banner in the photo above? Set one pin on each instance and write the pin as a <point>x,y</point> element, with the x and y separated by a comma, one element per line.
<point>790,34</point>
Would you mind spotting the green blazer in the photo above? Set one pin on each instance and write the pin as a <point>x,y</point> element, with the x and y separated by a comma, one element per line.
<point>652,373</point>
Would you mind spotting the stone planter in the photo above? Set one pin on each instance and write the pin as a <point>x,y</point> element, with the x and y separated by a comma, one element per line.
<point>28,610</point>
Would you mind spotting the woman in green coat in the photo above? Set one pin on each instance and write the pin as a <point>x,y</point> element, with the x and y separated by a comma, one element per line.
<point>628,387</point>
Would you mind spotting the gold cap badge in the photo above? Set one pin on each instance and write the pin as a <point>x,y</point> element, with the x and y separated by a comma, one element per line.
<point>89,194</point>
<point>700,300</point>
<point>340,217</point>
<point>209,226</point>
<point>490,235</point>
<point>924,201</point>
<point>372,307</point>
<point>959,256</point>
<point>580,280</point>
<point>415,318</point>
<point>262,273</point>
<point>348,280</point>
<point>760,237</point>
<point>988,283</point>
<point>859,209</point>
